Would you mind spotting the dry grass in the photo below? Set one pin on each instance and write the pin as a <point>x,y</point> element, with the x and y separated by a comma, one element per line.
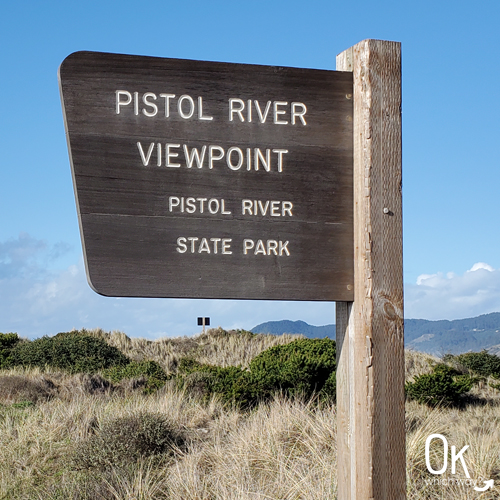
<point>478,427</point>
<point>417,363</point>
<point>283,450</point>
<point>215,347</point>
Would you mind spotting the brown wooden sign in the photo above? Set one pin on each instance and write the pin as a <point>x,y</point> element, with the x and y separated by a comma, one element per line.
<point>211,180</point>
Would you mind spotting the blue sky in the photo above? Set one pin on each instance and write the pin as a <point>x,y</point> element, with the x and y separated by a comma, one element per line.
<point>451,174</point>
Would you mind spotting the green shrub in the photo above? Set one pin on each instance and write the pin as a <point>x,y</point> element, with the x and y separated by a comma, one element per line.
<point>329,390</point>
<point>300,367</point>
<point>304,367</point>
<point>72,353</point>
<point>199,383</point>
<point>189,365</point>
<point>442,387</point>
<point>125,440</point>
<point>7,342</point>
<point>482,363</point>
<point>231,383</point>
<point>151,370</point>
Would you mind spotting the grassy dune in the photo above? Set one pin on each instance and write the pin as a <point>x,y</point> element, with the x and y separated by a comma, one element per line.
<point>283,450</point>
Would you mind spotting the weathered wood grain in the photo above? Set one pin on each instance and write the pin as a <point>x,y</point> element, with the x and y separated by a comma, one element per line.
<point>129,232</point>
<point>370,395</point>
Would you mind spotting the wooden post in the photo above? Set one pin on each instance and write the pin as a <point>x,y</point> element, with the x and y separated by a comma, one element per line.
<point>370,373</point>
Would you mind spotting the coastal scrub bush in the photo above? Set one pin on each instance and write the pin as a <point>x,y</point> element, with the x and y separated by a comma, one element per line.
<point>129,438</point>
<point>230,383</point>
<point>444,386</point>
<point>303,367</point>
<point>7,342</point>
<point>71,353</point>
<point>15,388</point>
<point>153,373</point>
<point>482,363</point>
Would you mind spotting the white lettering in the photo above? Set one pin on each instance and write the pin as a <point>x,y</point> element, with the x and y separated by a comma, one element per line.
<point>247,245</point>
<point>119,102</point>
<point>195,154</point>
<point>224,211</point>
<point>167,98</point>
<point>192,240</point>
<point>204,246</point>
<point>190,113</point>
<point>169,154</point>
<point>173,201</point>
<point>272,246</point>
<point>145,159</point>
<point>284,248</point>
<point>262,116</point>
<point>260,248</point>
<point>266,162</point>
<point>427,454</point>
<point>455,457</point>
<point>212,157</point>
<point>246,206</point>
<point>263,208</point>
<point>235,156</point>
<point>233,109</point>
<point>226,245</point>
<point>200,111</point>
<point>287,208</point>
<point>213,205</point>
<point>240,158</point>
<point>190,205</point>
<point>279,112</point>
<point>275,209</point>
<point>181,245</point>
<point>150,104</point>
<point>300,114</point>
<point>202,203</point>
<point>136,103</point>
<point>269,247</point>
<point>215,241</point>
<point>280,153</point>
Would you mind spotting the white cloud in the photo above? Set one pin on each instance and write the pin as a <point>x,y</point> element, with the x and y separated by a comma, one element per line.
<point>35,301</point>
<point>480,265</point>
<point>451,296</point>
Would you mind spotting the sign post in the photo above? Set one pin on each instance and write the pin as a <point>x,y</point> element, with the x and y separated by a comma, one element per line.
<point>370,350</point>
<point>214,180</point>
<point>202,321</point>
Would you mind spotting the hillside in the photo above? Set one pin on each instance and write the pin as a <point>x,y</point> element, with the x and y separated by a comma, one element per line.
<point>454,337</point>
<point>300,327</point>
<point>432,337</point>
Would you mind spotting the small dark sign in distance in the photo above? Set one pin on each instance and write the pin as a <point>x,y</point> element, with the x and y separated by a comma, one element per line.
<point>211,180</point>
<point>203,321</point>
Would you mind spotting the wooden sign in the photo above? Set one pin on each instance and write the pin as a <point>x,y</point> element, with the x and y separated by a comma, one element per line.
<point>211,180</point>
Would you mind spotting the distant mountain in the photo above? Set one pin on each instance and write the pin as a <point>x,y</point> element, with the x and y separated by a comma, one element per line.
<point>286,326</point>
<point>433,337</point>
<point>454,337</point>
